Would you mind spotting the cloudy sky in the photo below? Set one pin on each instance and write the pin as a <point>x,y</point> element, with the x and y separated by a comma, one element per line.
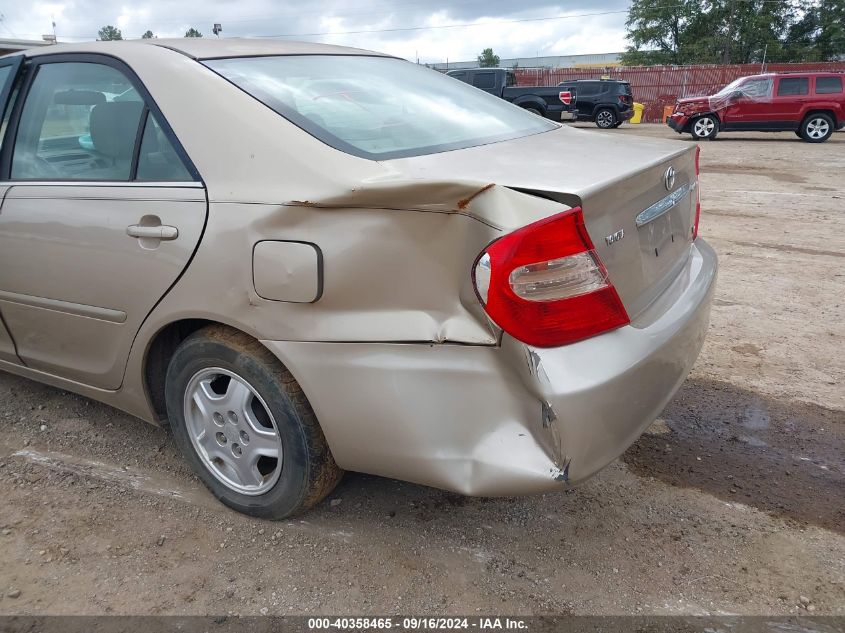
<point>516,28</point>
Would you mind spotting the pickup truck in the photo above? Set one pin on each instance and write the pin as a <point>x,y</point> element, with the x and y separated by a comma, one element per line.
<point>551,102</point>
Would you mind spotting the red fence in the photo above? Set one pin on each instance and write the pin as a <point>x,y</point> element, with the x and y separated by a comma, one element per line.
<point>658,86</point>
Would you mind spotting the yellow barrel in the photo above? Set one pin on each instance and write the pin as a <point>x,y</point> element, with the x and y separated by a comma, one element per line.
<point>638,113</point>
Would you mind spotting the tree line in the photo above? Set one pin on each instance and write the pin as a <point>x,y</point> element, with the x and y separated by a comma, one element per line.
<point>110,32</point>
<point>734,31</point>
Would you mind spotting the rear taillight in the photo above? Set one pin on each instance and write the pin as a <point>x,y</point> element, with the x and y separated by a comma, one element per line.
<point>625,99</point>
<point>697,192</point>
<point>545,285</point>
<point>565,97</point>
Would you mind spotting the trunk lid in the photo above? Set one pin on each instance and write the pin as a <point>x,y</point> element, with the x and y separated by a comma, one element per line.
<point>640,227</point>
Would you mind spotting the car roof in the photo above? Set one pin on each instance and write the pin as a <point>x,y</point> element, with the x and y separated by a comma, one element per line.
<point>208,48</point>
<point>795,73</point>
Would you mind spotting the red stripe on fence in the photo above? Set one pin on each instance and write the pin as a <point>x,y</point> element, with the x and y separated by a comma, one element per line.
<point>659,86</point>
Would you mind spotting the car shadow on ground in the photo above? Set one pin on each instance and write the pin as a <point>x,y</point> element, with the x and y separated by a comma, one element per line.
<point>787,459</point>
<point>784,458</point>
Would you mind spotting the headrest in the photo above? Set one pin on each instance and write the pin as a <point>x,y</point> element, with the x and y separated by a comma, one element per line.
<point>114,126</point>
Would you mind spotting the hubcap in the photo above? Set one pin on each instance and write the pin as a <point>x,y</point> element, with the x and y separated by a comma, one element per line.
<point>817,128</point>
<point>233,431</point>
<point>704,127</point>
<point>605,119</point>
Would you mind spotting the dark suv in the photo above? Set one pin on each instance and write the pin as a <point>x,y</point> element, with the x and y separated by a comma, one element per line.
<point>608,102</point>
<point>810,104</point>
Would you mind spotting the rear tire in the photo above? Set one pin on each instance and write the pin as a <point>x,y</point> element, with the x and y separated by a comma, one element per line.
<point>534,111</point>
<point>606,119</point>
<point>816,128</point>
<point>243,423</point>
<point>704,128</point>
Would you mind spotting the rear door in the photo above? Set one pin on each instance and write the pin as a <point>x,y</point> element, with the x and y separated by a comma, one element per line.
<point>791,95</point>
<point>102,212</point>
<point>587,94</point>
<point>9,69</point>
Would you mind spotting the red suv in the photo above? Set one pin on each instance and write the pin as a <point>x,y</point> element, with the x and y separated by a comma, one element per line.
<point>810,104</point>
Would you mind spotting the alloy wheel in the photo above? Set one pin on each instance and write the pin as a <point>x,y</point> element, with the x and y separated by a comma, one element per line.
<point>233,431</point>
<point>605,119</point>
<point>817,128</point>
<point>704,127</point>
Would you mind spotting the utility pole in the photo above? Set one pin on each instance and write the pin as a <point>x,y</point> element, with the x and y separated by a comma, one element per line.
<point>726,58</point>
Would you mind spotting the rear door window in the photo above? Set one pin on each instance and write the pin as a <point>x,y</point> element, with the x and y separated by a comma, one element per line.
<point>588,88</point>
<point>484,81</point>
<point>82,121</point>
<point>828,85</point>
<point>792,86</point>
<point>157,158</point>
<point>73,128</point>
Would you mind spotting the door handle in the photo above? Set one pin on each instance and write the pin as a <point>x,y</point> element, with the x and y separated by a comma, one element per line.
<point>160,232</point>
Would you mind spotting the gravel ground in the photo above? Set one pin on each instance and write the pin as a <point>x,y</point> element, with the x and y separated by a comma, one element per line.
<point>732,502</point>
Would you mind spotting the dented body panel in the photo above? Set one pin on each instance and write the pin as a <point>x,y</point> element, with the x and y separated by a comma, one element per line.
<point>376,316</point>
<point>509,419</point>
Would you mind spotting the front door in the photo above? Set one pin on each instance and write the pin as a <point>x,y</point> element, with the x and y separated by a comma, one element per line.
<point>101,215</point>
<point>750,105</point>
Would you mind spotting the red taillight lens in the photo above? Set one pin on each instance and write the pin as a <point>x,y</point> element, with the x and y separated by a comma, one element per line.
<point>545,285</point>
<point>697,192</point>
<point>565,96</point>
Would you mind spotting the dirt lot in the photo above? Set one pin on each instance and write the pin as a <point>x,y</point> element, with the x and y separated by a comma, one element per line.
<point>733,502</point>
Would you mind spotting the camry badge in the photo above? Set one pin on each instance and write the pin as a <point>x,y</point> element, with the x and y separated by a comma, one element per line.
<point>615,237</point>
<point>669,179</point>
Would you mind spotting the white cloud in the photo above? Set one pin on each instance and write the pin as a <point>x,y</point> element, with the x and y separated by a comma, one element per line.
<point>492,23</point>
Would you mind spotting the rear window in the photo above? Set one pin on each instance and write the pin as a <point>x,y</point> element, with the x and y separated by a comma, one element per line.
<point>828,85</point>
<point>793,86</point>
<point>378,107</point>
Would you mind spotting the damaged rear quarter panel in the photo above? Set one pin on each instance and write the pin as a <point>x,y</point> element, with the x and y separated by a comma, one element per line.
<point>397,349</point>
<point>396,263</point>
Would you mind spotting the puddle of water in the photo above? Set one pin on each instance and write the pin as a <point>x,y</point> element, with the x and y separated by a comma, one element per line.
<point>752,441</point>
<point>756,416</point>
<point>785,458</point>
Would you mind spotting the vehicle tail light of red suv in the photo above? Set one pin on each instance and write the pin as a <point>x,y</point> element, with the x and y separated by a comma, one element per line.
<point>545,285</point>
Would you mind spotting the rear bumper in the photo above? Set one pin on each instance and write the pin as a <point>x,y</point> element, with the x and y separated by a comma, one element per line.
<point>604,392</point>
<point>504,420</point>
